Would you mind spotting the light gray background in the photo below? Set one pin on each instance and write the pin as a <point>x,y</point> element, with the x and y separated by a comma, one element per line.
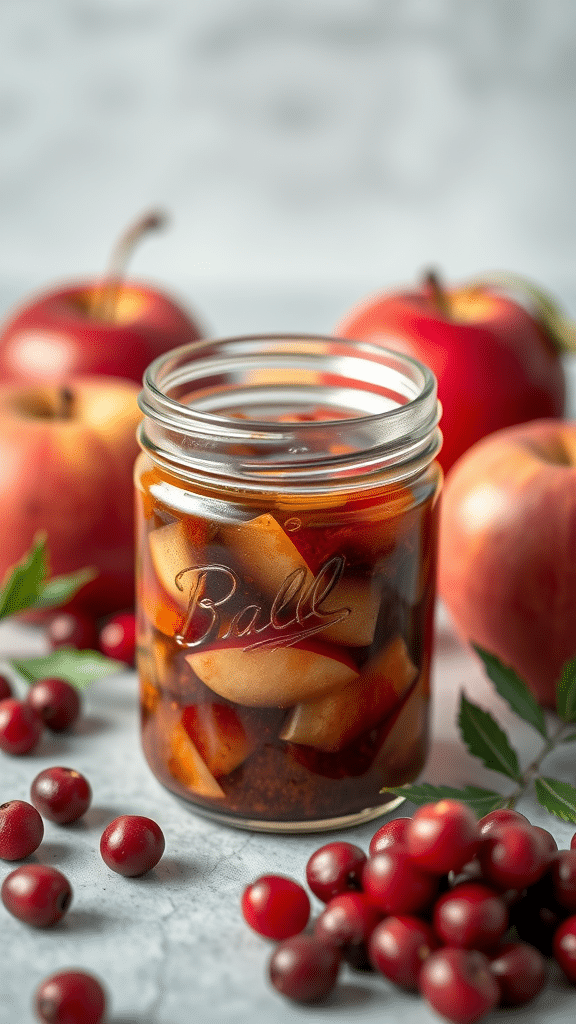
<point>309,152</point>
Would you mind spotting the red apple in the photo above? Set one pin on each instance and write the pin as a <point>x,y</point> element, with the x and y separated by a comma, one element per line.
<point>507,562</point>
<point>66,459</point>
<point>496,363</point>
<point>107,326</point>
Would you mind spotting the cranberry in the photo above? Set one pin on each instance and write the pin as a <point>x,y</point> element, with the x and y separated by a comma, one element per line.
<point>20,726</point>
<point>37,894</point>
<point>304,968</point>
<point>513,856</point>
<point>392,832</point>
<point>398,946</point>
<point>56,701</point>
<point>520,971</point>
<point>334,868</point>
<point>21,830</point>
<point>573,842</point>
<point>442,837</point>
<point>470,915</point>
<point>500,816</point>
<point>564,947</point>
<point>71,997</point>
<point>276,906</point>
<point>563,877</point>
<point>72,629</point>
<point>549,841</point>
<point>5,688</point>
<point>347,922</point>
<point>117,638</point>
<point>459,984</point>
<point>537,915</point>
<point>61,794</point>
<point>132,845</point>
<point>395,885</point>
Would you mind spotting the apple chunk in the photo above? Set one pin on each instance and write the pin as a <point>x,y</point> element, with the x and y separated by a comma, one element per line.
<point>182,756</point>
<point>172,551</point>
<point>218,734</point>
<point>266,552</point>
<point>362,599</point>
<point>273,677</point>
<point>333,720</point>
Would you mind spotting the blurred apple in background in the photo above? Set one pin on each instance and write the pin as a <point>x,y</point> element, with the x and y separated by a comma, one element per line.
<point>108,326</point>
<point>66,459</point>
<point>497,363</point>
<point>507,561</point>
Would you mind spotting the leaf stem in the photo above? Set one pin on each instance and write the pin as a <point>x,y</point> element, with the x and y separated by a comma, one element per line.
<point>532,770</point>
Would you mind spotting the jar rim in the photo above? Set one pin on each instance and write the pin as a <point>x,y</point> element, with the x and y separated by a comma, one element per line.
<point>203,406</point>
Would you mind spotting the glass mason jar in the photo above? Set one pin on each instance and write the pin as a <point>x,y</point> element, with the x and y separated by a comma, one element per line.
<point>287,500</point>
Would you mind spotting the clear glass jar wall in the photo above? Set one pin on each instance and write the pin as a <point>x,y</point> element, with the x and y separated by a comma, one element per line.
<point>287,500</point>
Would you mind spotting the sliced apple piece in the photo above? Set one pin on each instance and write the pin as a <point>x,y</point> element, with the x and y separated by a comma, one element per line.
<point>332,721</point>
<point>173,549</point>
<point>273,677</point>
<point>265,552</point>
<point>404,746</point>
<point>182,756</point>
<point>362,598</point>
<point>218,734</point>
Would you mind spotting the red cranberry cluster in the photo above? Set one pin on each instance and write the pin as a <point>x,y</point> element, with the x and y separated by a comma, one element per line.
<point>40,895</point>
<point>54,703</point>
<point>464,912</point>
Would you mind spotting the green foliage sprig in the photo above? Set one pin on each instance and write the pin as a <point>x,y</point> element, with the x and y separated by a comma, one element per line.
<point>487,741</point>
<point>27,586</point>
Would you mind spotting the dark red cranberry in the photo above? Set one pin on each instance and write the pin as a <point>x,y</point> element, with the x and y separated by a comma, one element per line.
<point>395,885</point>
<point>470,915</point>
<point>537,915</point>
<point>347,922</point>
<point>72,629</point>
<point>335,868</point>
<point>388,835</point>
<point>563,877</point>
<point>398,946</point>
<point>56,701</point>
<point>520,971</point>
<point>21,830</point>
<point>5,688</point>
<point>20,726</point>
<point>459,984</point>
<point>117,638</point>
<point>442,837</point>
<point>500,816</point>
<point>37,894</point>
<point>61,794</point>
<point>276,906</point>
<point>513,856</point>
<point>573,842</point>
<point>548,838</point>
<point>71,997</point>
<point>564,947</point>
<point>132,845</point>
<point>304,968</point>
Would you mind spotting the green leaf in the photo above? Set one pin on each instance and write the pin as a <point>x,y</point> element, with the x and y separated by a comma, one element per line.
<point>486,740</point>
<point>569,739</point>
<point>557,797</point>
<point>79,667</point>
<point>513,690</point>
<point>25,581</point>
<point>540,304</point>
<point>480,800</point>
<point>566,692</point>
<point>60,589</point>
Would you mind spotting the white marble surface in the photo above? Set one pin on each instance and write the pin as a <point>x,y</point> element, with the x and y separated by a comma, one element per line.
<point>172,946</point>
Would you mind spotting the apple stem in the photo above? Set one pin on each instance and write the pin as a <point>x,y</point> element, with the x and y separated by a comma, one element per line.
<point>64,403</point>
<point>106,301</point>
<point>437,292</point>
